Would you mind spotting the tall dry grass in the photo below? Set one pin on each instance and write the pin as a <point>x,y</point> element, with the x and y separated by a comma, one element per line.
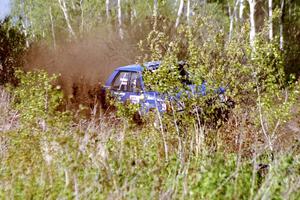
<point>106,158</point>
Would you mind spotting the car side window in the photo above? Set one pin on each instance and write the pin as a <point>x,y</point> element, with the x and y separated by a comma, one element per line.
<point>135,82</point>
<point>121,82</point>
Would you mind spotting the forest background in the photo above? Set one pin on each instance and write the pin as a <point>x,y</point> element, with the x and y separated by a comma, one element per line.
<point>56,142</point>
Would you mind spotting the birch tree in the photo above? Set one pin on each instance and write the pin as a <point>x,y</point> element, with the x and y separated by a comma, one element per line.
<point>270,6</point>
<point>252,4</point>
<point>24,21</point>
<point>155,8</point>
<point>232,12</point>
<point>107,9</point>
<point>120,19</point>
<point>82,16</point>
<point>63,7</point>
<point>179,13</point>
<point>241,10</point>
<point>188,11</point>
<point>52,27</point>
<point>282,13</point>
<point>155,12</point>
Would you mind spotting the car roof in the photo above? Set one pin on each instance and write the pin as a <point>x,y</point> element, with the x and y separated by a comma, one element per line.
<point>138,67</point>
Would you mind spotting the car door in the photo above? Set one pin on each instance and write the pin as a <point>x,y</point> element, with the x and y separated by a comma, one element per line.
<point>135,88</point>
<point>127,85</point>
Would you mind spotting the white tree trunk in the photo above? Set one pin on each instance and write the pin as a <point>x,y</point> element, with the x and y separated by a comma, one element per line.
<point>232,13</point>
<point>52,27</point>
<point>270,19</point>
<point>155,8</point>
<point>231,20</point>
<point>107,9</point>
<point>155,12</point>
<point>282,8</point>
<point>120,20</point>
<point>179,13</point>
<point>188,11</point>
<point>241,13</point>
<point>82,16</point>
<point>25,22</point>
<point>252,4</point>
<point>63,7</point>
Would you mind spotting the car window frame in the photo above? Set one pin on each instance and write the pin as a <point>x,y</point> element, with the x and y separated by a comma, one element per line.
<point>129,82</point>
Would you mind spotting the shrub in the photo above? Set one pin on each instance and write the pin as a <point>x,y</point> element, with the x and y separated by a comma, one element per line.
<point>37,99</point>
<point>12,43</point>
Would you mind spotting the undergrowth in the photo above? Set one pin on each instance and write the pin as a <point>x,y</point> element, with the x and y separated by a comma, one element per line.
<point>47,155</point>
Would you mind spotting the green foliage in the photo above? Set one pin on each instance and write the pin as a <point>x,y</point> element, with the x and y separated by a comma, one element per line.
<point>12,47</point>
<point>276,93</point>
<point>99,159</point>
<point>38,100</point>
<point>121,164</point>
<point>255,80</point>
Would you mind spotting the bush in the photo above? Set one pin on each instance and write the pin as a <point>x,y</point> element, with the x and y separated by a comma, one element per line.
<point>12,43</point>
<point>38,100</point>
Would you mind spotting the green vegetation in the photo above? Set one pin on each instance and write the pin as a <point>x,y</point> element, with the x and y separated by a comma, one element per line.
<point>206,151</point>
<point>49,155</point>
<point>97,159</point>
<point>12,48</point>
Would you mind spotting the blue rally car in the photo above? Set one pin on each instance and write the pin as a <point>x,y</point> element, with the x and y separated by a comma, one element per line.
<point>126,84</point>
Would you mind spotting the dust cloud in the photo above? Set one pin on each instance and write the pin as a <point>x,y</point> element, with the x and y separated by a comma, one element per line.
<point>83,64</point>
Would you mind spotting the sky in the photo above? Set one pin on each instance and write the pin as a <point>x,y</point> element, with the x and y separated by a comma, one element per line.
<point>4,8</point>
